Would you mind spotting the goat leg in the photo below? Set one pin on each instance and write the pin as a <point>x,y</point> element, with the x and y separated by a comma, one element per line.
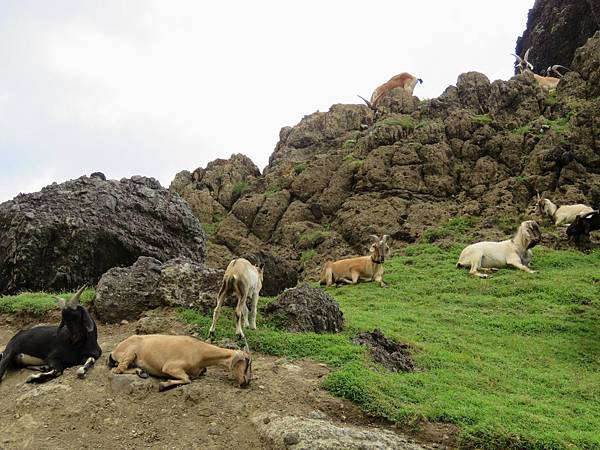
<point>44,376</point>
<point>516,262</point>
<point>83,370</point>
<point>181,377</point>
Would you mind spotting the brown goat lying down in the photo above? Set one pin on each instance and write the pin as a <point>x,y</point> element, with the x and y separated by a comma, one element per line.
<point>179,358</point>
<point>365,268</point>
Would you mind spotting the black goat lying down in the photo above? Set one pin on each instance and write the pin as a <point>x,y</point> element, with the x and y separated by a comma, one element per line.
<point>583,224</point>
<point>55,348</point>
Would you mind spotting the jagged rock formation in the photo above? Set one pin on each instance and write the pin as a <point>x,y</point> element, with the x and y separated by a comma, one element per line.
<point>306,309</point>
<point>71,233</point>
<point>556,28</point>
<point>124,293</point>
<point>482,149</point>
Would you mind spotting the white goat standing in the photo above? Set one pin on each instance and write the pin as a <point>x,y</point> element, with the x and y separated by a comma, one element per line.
<point>561,215</point>
<point>495,255</point>
<point>245,281</point>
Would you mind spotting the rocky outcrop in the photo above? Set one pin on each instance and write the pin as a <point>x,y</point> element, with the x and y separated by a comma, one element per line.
<point>278,274</point>
<point>71,233</point>
<point>213,191</point>
<point>481,149</point>
<point>306,309</point>
<point>304,433</point>
<point>124,293</point>
<point>556,28</point>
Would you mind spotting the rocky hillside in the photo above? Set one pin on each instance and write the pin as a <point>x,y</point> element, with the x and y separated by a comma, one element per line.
<point>556,28</point>
<point>481,150</point>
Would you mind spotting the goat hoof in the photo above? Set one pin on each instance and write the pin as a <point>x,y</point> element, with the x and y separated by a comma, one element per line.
<point>32,379</point>
<point>81,373</point>
<point>140,373</point>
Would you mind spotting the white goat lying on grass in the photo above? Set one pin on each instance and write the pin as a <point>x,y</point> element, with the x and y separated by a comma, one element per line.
<point>561,215</point>
<point>495,255</point>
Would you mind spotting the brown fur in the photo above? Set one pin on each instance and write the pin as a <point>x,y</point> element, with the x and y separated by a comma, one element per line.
<point>353,270</point>
<point>179,358</point>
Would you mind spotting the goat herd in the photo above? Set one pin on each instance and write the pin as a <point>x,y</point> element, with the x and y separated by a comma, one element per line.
<point>179,359</point>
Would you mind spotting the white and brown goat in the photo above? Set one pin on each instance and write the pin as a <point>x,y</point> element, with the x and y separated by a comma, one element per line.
<point>245,281</point>
<point>178,358</point>
<point>514,252</point>
<point>546,82</point>
<point>560,215</point>
<point>363,268</point>
<point>404,80</point>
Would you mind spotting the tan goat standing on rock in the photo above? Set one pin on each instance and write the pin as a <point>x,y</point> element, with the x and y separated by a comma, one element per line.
<point>365,268</point>
<point>403,80</point>
<point>180,358</point>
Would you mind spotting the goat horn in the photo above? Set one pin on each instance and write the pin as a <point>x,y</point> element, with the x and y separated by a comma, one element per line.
<point>61,301</point>
<point>369,104</point>
<point>385,237</point>
<point>518,58</point>
<point>75,299</point>
<point>374,237</point>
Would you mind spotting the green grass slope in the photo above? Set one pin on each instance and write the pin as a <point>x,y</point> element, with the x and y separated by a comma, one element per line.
<point>513,360</point>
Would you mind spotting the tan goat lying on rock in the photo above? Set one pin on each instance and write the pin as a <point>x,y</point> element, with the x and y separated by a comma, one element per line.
<point>495,255</point>
<point>365,268</point>
<point>180,358</point>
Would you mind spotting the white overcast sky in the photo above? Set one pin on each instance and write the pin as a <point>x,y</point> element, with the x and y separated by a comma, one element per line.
<point>149,87</point>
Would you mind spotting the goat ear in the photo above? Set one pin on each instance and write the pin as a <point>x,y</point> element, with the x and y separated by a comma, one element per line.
<point>385,237</point>
<point>372,248</point>
<point>237,357</point>
<point>88,322</point>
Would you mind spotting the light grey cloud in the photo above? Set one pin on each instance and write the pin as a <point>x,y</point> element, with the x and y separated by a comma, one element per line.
<point>155,87</point>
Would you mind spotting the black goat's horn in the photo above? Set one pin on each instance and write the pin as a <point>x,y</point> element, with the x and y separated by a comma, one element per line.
<point>74,301</point>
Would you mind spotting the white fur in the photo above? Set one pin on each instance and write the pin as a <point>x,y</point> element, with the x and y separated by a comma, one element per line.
<point>496,255</point>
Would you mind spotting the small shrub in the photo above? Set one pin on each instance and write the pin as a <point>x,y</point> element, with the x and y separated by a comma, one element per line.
<point>406,122</point>
<point>240,187</point>
<point>348,144</point>
<point>481,119</point>
<point>307,255</point>
<point>299,168</point>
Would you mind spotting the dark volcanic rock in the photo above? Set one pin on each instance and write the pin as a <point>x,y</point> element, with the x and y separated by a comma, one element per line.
<point>279,275</point>
<point>307,309</point>
<point>556,28</point>
<point>71,233</point>
<point>393,356</point>
<point>125,293</point>
<point>186,283</point>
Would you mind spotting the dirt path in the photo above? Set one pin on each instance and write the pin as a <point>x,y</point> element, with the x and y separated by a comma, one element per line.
<point>210,413</point>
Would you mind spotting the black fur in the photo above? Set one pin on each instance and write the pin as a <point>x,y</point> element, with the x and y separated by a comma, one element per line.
<point>69,344</point>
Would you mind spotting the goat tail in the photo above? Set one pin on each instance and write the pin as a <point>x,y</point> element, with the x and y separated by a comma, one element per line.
<point>327,274</point>
<point>369,104</point>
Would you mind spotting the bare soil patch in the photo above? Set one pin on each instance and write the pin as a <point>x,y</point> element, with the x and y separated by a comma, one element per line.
<point>211,412</point>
